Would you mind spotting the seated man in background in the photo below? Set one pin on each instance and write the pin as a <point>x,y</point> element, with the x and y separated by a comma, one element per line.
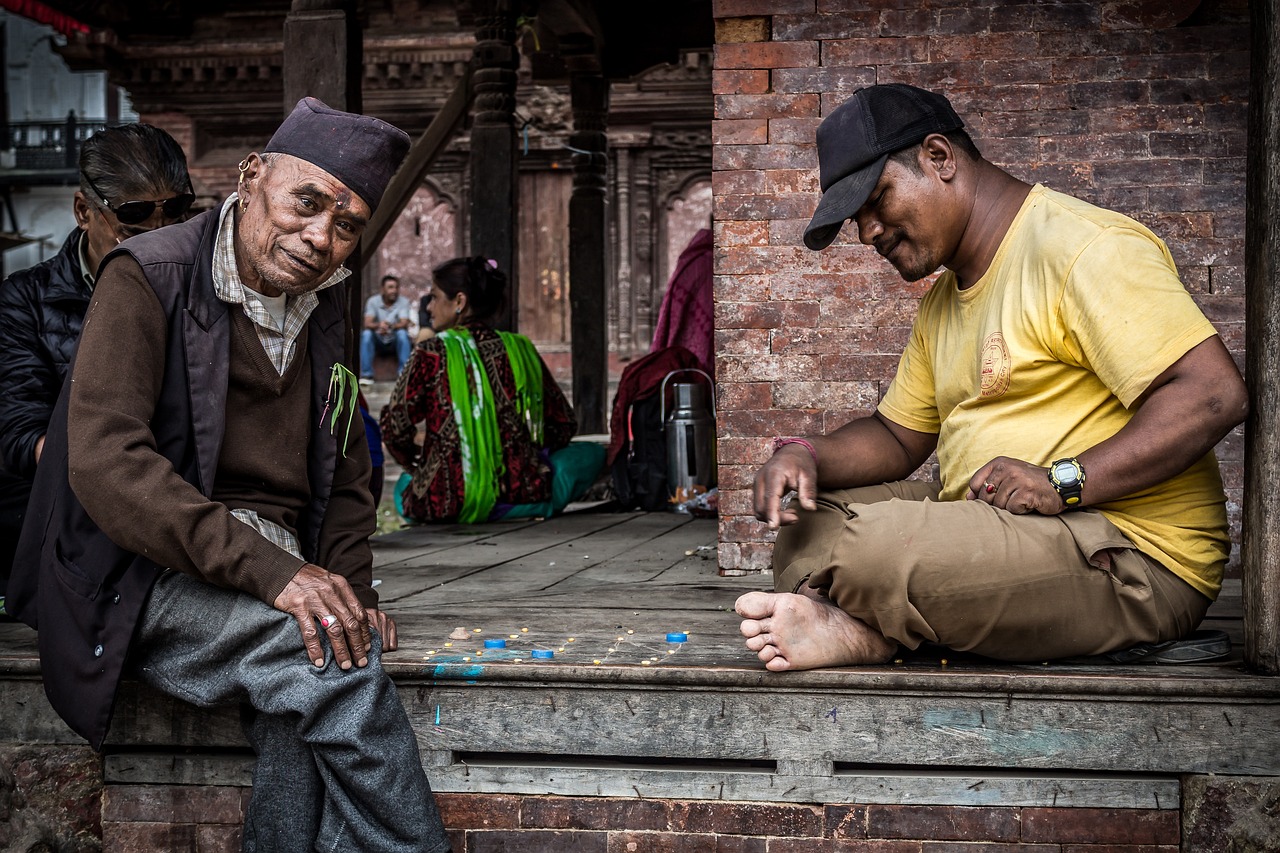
<point>387,318</point>
<point>201,516</point>
<point>133,178</point>
<point>1072,389</point>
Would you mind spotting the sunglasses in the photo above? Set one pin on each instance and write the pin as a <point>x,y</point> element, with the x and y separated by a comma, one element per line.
<point>134,212</point>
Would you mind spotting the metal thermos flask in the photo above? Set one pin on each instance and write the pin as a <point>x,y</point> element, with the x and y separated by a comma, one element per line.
<point>691,440</point>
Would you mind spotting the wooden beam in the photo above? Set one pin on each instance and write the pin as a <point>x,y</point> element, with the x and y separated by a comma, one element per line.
<point>416,163</point>
<point>1261,539</point>
<point>324,58</point>
<point>494,189</point>
<point>588,267</point>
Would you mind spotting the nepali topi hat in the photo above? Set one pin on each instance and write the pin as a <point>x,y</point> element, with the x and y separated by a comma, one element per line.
<point>855,141</point>
<point>361,151</point>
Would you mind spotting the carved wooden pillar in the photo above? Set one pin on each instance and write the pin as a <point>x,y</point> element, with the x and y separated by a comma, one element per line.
<point>324,58</point>
<point>1261,546</point>
<point>589,93</point>
<point>494,189</point>
<point>624,316</point>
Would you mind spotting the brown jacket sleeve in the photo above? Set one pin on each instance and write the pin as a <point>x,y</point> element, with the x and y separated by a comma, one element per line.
<point>351,518</point>
<point>130,491</point>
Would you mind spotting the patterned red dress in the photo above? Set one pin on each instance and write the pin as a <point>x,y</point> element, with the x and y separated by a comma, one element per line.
<point>421,397</point>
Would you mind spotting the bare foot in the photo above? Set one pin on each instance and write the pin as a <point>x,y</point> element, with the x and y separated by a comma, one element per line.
<point>789,631</point>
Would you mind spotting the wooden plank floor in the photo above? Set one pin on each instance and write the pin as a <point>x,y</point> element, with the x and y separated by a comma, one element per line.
<point>619,710</point>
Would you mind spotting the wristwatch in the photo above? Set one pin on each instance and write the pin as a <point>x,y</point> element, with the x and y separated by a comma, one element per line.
<point>1067,477</point>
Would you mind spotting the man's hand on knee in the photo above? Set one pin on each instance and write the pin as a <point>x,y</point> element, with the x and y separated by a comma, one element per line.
<point>317,596</point>
<point>1016,486</point>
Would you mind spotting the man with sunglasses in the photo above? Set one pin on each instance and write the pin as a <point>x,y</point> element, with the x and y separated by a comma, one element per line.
<point>202,516</point>
<point>133,178</point>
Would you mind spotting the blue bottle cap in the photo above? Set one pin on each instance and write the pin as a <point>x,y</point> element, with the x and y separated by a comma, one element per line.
<point>495,644</point>
<point>677,637</point>
<point>542,654</point>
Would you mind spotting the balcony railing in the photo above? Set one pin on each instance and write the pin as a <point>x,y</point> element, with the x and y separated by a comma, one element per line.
<point>50,145</point>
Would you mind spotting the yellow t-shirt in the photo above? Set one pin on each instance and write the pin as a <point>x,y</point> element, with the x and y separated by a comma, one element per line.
<point>1079,311</point>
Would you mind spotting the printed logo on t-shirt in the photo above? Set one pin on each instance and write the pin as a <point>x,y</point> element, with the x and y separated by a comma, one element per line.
<point>995,365</point>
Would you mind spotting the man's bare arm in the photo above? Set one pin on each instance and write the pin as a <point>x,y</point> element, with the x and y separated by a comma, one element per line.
<point>1184,412</point>
<point>864,451</point>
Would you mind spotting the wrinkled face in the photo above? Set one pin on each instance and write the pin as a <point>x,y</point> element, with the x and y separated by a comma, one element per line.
<point>443,310</point>
<point>390,291</point>
<point>104,231</point>
<point>905,220</point>
<point>298,226</point>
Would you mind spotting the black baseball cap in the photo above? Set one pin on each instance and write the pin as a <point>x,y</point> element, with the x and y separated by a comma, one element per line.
<point>857,138</point>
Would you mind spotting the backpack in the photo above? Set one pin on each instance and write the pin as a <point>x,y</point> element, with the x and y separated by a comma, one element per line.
<point>638,444</point>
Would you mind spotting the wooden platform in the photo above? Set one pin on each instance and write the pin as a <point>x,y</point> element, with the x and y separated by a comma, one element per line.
<point>620,711</point>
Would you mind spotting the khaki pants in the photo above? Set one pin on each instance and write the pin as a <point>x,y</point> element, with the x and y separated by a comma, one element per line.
<point>975,578</point>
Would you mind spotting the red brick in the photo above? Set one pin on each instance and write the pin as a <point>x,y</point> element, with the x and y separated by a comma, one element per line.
<point>737,341</point>
<point>531,841</point>
<point>758,368</point>
<point>738,844</point>
<point>968,19</point>
<point>935,75</point>
<point>841,821</point>
<point>1100,826</point>
<point>1112,848</point>
<point>739,81</point>
<point>769,423</point>
<point>824,80</point>
<point>743,395</point>
<point>659,842</point>
<point>825,394</point>
<point>590,813</point>
<point>968,847</point>
<point>743,131</point>
<point>800,27</point>
<point>875,51</point>
<point>775,105</point>
<point>772,54</point>
<point>172,804</point>
<point>800,845</point>
<point>798,131</point>
<point>979,47</point>
<point>133,837</point>
<point>738,233</point>
<point>942,823</point>
<point>479,811</point>
<point>877,846</point>
<point>218,839</point>
<point>762,206</point>
<point>767,315</point>
<point>1015,19</point>
<point>732,8</point>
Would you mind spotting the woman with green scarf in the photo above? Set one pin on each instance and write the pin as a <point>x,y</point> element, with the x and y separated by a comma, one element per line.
<point>496,425</point>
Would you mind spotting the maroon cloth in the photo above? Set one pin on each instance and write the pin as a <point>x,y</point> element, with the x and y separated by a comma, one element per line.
<point>421,396</point>
<point>641,378</point>
<point>687,315</point>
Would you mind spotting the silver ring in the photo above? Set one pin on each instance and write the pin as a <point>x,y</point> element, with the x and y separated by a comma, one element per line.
<point>328,619</point>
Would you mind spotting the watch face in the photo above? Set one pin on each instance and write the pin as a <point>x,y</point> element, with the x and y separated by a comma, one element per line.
<point>1065,473</point>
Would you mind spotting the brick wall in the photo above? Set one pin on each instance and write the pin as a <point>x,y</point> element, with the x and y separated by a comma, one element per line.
<point>193,819</point>
<point>1123,104</point>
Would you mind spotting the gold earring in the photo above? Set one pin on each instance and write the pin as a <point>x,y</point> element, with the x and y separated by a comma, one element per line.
<point>243,167</point>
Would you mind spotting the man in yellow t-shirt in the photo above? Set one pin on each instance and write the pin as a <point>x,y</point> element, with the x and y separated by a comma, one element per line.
<point>1072,390</point>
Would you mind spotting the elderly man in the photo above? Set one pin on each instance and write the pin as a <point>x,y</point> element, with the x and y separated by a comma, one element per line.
<point>1073,392</point>
<point>387,318</point>
<point>133,178</point>
<point>214,533</point>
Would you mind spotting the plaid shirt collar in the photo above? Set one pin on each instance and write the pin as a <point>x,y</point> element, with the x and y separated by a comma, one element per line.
<point>280,344</point>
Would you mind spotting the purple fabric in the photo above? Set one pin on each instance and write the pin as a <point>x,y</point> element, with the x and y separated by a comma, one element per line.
<point>687,315</point>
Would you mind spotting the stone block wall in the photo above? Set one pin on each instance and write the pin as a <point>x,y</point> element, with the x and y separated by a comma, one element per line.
<point>1136,106</point>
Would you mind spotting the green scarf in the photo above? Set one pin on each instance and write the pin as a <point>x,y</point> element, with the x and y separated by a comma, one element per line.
<point>476,415</point>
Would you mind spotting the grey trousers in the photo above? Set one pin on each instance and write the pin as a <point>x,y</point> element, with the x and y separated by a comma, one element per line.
<point>338,765</point>
<point>975,578</point>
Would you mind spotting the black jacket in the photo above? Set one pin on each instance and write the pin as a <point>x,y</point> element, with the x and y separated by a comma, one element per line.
<point>41,312</point>
<point>84,593</point>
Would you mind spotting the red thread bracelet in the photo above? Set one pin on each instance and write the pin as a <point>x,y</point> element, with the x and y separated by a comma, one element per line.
<point>779,442</point>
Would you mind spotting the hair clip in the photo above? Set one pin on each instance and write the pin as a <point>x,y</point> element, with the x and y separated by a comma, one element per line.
<point>493,265</point>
